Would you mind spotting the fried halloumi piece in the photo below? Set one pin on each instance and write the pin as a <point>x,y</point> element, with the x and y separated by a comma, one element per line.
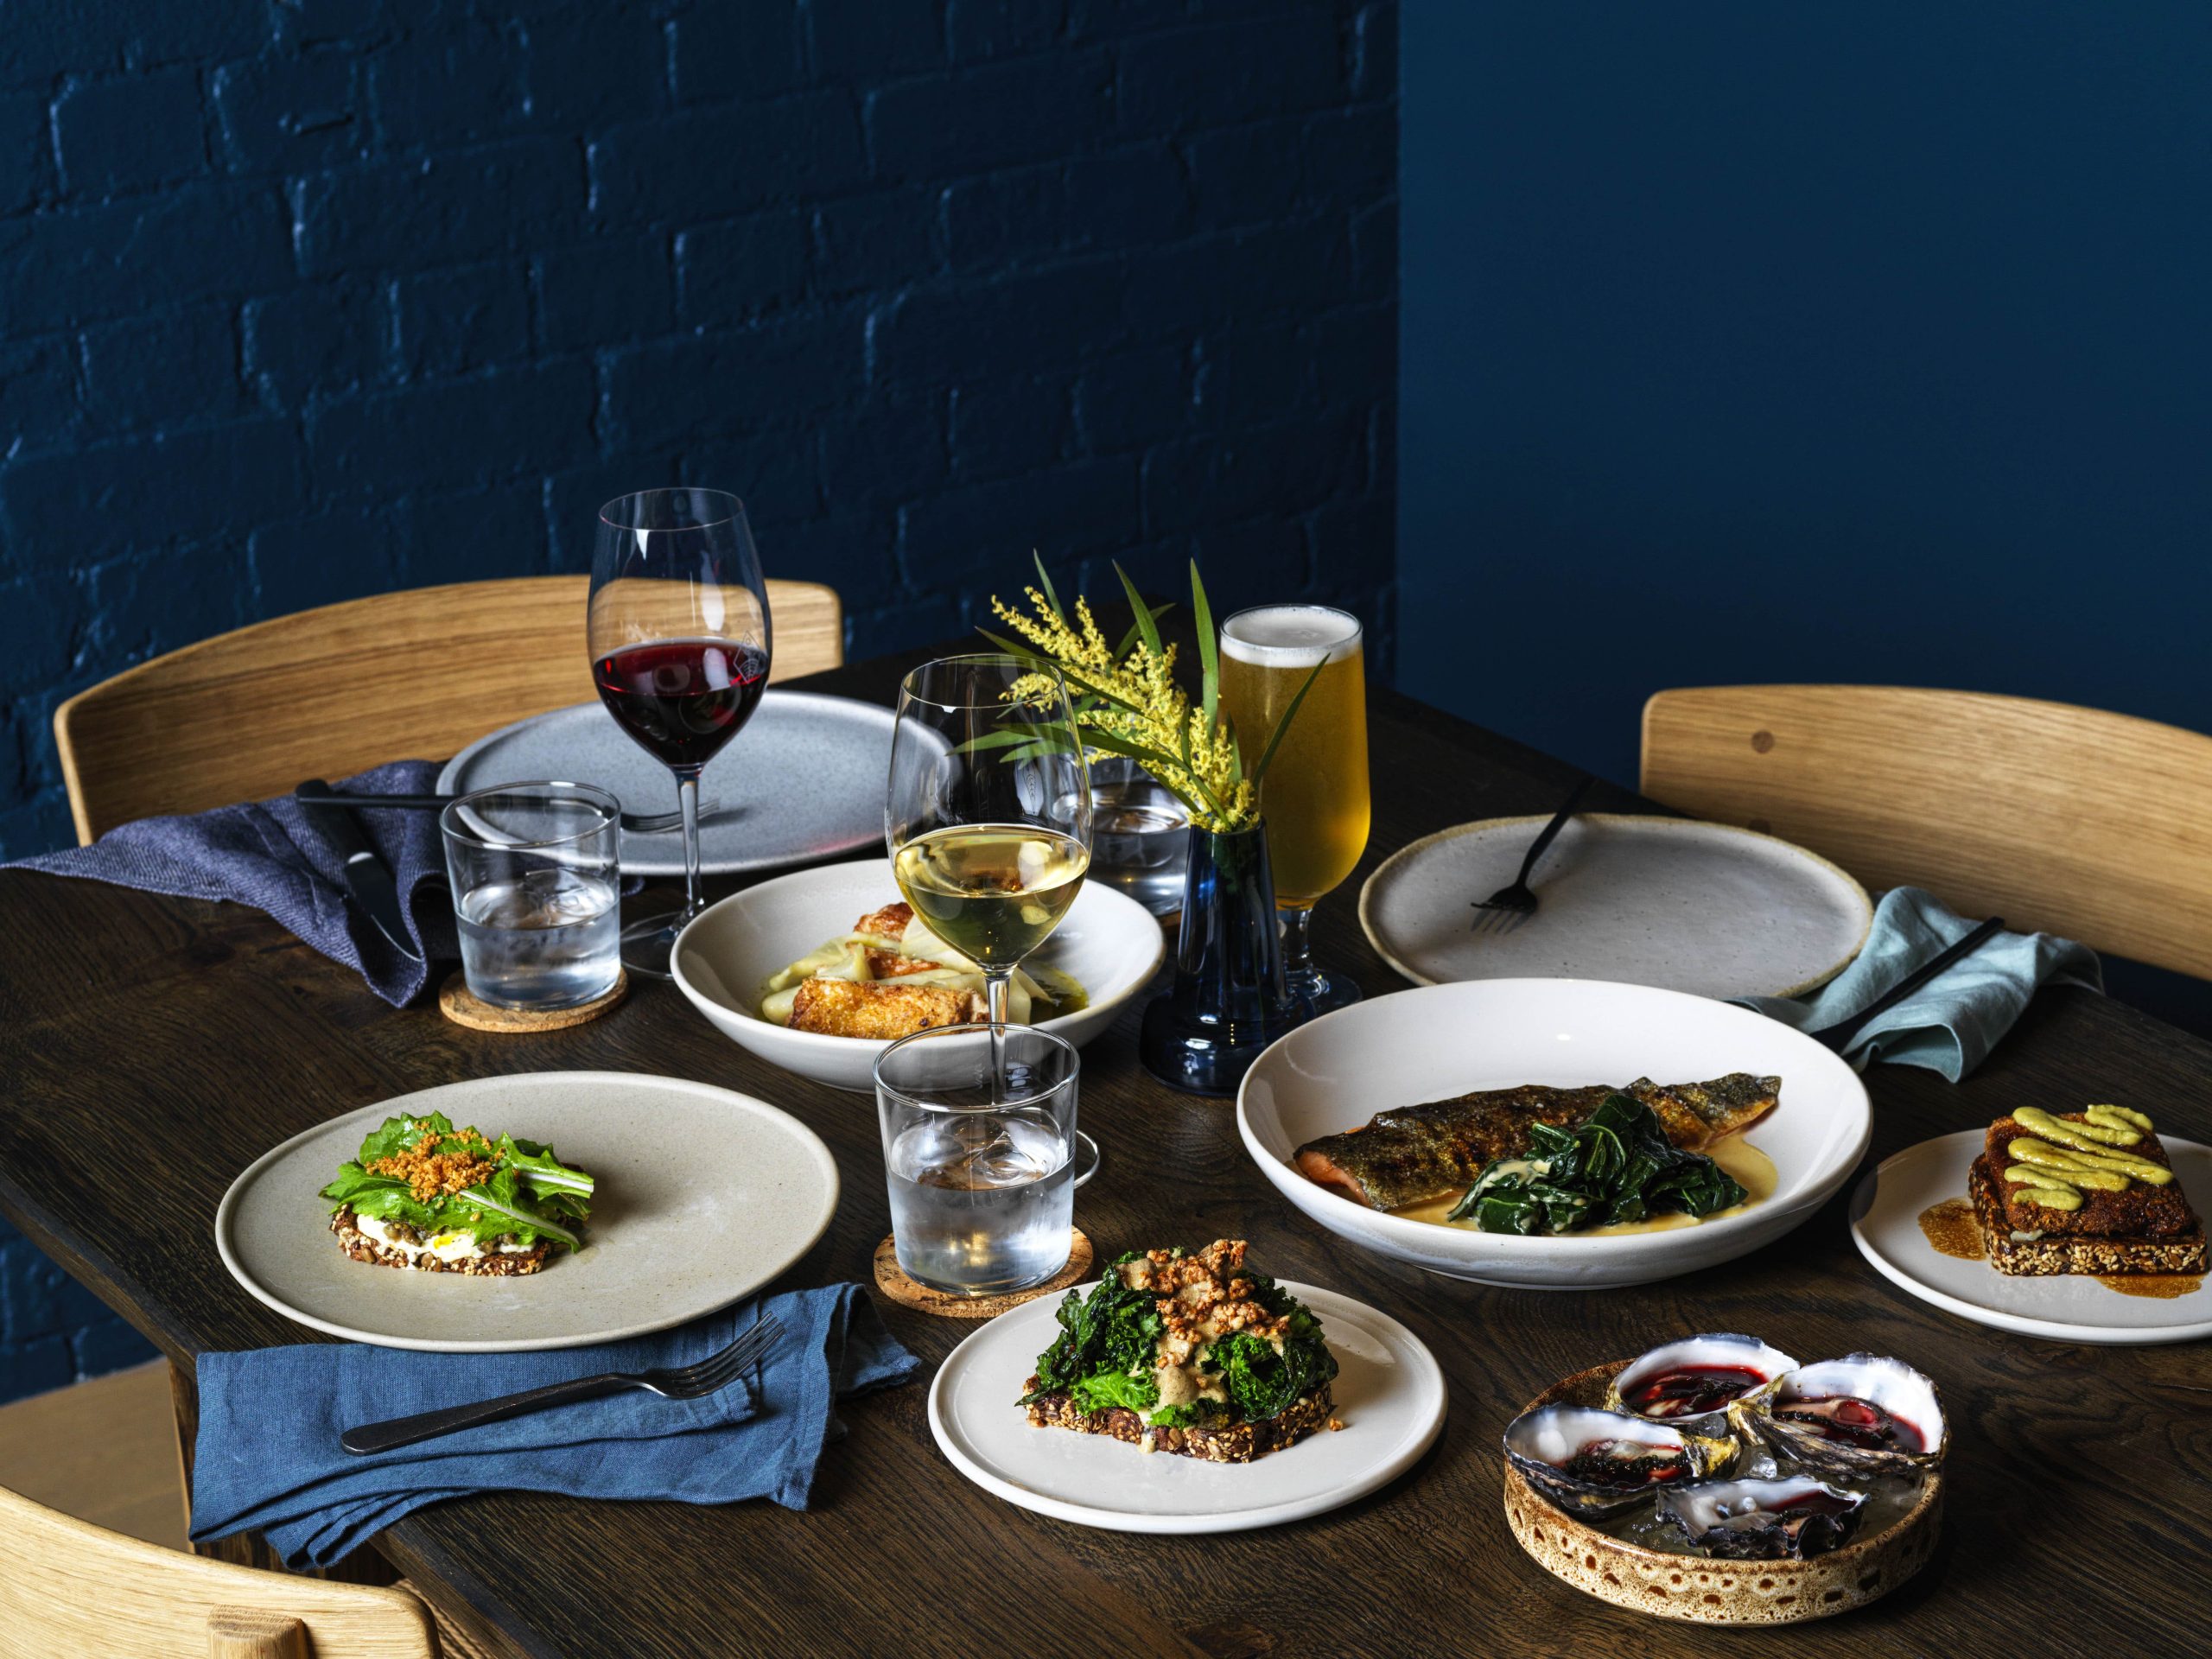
<point>888,923</point>
<point>880,1009</point>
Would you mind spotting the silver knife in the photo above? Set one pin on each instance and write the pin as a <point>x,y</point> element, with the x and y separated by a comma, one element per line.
<point>367,880</point>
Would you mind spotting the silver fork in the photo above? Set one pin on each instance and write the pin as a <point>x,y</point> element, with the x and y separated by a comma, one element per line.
<point>1513,904</point>
<point>690,1381</point>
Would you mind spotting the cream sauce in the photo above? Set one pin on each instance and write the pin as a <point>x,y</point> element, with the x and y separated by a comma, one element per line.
<point>1753,1170</point>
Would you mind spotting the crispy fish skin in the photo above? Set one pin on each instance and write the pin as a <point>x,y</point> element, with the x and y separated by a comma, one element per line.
<point>1411,1154</point>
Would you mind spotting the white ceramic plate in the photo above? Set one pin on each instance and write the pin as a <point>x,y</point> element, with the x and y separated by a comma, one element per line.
<point>1107,941</point>
<point>803,781</point>
<point>1689,906</point>
<point>1443,1040</point>
<point>1390,1395</point>
<point>704,1196</point>
<point>2062,1308</point>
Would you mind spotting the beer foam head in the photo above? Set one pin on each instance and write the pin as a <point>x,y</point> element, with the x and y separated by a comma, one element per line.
<point>1289,636</point>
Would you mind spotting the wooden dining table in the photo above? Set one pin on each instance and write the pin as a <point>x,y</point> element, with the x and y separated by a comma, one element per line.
<point>152,1047</point>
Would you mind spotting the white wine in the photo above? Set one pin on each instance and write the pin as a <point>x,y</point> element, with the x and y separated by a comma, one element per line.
<point>993,891</point>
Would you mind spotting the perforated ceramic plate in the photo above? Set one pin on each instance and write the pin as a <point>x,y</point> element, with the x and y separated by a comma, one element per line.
<point>1686,906</point>
<point>704,1195</point>
<point>1389,1392</point>
<point>803,780</point>
<point>2059,1308</point>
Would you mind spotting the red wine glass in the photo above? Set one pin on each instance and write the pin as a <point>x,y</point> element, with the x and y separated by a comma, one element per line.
<point>680,647</point>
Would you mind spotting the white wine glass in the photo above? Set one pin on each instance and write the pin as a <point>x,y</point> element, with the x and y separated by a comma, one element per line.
<point>987,812</point>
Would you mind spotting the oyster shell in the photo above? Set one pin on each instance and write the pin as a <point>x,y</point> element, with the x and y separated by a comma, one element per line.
<point>1862,1414</point>
<point>1692,1382</point>
<point>1591,1462</point>
<point>1763,1520</point>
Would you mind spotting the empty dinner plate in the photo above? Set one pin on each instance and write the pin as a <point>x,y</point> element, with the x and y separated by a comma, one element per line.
<point>704,1195</point>
<point>1688,906</point>
<point>1885,1215</point>
<point>803,780</point>
<point>1389,1393</point>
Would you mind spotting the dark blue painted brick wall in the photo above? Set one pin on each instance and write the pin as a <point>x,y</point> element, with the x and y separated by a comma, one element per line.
<point>302,299</point>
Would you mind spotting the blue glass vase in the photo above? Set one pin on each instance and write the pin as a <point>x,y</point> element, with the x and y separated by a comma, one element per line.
<point>1229,1001</point>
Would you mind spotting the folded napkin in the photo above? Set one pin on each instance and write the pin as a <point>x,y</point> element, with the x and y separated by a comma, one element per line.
<point>262,854</point>
<point>268,1455</point>
<point>1951,1022</point>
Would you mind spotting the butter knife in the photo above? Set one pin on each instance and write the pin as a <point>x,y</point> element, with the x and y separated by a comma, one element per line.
<point>368,881</point>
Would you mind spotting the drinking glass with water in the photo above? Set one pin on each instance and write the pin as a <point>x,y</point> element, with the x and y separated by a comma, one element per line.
<point>983,1171</point>
<point>537,892</point>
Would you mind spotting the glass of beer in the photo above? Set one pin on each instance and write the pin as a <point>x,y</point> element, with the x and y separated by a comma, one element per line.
<point>1314,796</point>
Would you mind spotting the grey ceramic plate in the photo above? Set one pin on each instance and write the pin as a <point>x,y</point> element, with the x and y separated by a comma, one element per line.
<point>704,1196</point>
<point>803,780</point>
<point>1686,906</point>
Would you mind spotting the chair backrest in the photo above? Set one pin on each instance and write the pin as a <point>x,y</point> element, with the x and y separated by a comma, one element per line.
<point>69,1587</point>
<point>2074,820</point>
<point>328,692</point>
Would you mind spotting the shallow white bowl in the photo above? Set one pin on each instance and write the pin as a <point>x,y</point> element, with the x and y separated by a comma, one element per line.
<point>1442,1040</point>
<point>1108,942</point>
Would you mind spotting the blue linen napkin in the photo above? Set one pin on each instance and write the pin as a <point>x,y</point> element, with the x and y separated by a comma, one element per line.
<point>262,854</point>
<point>268,1455</point>
<point>1950,1024</point>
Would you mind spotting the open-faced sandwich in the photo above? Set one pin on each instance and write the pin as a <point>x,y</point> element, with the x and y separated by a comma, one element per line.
<point>425,1195</point>
<point>1193,1354</point>
<point>2085,1192</point>
<point>891,977</point>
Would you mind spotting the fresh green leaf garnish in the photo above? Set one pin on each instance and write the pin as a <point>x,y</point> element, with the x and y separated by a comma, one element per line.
<point>1615,1167</point>
<point>529,1195</point>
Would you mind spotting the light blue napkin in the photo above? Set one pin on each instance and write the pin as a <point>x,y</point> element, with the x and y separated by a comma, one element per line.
<point>268,1455</point>
<point>1950,1024</point>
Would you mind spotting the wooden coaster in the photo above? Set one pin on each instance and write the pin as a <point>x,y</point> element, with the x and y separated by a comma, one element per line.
<point>891,1278</point>
<point>463,1008</point>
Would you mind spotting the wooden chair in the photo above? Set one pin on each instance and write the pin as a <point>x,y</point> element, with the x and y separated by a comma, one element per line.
<point>70,1588</point>
<point>329,692</point>
<point>2095,825</point>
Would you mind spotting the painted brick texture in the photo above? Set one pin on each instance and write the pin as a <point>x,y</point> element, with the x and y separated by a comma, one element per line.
<point>305,299</point>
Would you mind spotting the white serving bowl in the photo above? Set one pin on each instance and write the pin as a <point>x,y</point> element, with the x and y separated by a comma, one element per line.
<point>1108,942</point>
<point>1442,1040</point>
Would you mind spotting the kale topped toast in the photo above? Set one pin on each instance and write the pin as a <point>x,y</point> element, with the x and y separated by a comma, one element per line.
<point>424,1195</point>
<point>1194,1354</point>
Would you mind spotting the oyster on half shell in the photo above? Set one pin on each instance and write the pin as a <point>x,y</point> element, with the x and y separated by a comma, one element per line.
<point>1862,1414</point>
<point>1763,1520</point>
<point>1589,1462</point>
<point>1692,1382</point>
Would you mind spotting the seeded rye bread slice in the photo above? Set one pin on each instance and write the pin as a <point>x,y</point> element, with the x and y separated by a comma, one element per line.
<point>499,1264</point>
<point>1236,1443</point>
<point>2075,1252</point>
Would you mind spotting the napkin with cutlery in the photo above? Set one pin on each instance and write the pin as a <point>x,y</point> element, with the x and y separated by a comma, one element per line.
<point>1950,1024</point>
<point>268,1457</point>
<point>264,854</point>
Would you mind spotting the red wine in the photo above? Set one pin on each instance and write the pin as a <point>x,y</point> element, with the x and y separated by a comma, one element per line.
<point>683,699</point>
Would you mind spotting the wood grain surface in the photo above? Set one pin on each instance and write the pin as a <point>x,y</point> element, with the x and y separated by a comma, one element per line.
<point>2058,818</point>
<point>152,1048</point>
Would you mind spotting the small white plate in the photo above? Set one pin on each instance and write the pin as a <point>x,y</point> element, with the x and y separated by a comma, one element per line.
<point>2061,1307</point>
<point>1108,942</point>
<point>1444,1040</point>
<point>704,1196</point>
<point>1390,1395</point>
<point>1699,907</point>
<point>803,781</point>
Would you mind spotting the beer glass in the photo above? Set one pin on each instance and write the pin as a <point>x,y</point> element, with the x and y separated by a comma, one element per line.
<point>1314,797</point>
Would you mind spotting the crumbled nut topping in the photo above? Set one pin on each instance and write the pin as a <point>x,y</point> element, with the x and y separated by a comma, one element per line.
<point>431,1173</point>
<point>1204,1296</point>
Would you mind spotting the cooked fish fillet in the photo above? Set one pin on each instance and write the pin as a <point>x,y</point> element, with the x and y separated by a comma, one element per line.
<point>889,964</point>
<point>1411,1154</point>
<point>881,1008</point>
<point>888,923</point>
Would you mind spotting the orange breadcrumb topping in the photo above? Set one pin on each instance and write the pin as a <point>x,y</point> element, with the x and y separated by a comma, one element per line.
<point>1206,1295</point>
<point>430,1173</point>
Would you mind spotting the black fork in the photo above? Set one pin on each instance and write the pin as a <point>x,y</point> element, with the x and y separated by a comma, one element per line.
<point>704,1377</point>
<point>1512,904</point>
